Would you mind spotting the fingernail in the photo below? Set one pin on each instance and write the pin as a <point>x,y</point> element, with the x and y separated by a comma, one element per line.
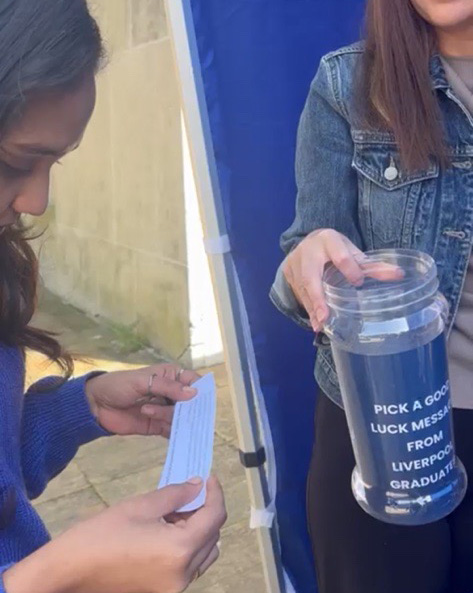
<point>400,272</point>
<point>315,324</point>
<point>189,390</point>
<point>195,481</point>
<point>148,410</point>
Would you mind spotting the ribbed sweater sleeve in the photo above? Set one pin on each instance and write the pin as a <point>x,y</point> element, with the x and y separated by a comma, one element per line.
<point>55,423</point>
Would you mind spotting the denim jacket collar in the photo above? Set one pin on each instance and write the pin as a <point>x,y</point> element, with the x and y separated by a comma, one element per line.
<point>437,73</point>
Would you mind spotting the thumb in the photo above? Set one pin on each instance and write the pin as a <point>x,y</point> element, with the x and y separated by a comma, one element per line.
<point>163,502</point>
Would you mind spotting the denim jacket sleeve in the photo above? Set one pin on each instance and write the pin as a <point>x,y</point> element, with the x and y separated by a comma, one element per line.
<point>327,187</point>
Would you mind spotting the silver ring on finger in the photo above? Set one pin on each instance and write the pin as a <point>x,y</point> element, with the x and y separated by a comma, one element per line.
<point>150,385</point>
<point>179,374</point>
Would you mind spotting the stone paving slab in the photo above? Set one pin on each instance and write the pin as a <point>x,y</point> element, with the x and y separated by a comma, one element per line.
<point>61,513</point>
<point>71,480</point>
<point>111,469</point>
<point>237,570</point>
<point>115,457</point>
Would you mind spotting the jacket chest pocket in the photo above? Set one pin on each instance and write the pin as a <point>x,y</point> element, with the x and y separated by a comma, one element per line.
<point>388,195</point>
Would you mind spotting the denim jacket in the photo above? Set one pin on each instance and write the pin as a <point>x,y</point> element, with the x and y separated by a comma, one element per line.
<point>344,184</point>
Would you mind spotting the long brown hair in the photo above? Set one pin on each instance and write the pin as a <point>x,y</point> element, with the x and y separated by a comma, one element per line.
<point>44,47</point>
<point>395,76</point>
<point>19,274</point>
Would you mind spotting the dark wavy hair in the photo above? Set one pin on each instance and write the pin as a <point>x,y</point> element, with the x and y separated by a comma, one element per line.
<point>45,46</point>
<point>396,80</point>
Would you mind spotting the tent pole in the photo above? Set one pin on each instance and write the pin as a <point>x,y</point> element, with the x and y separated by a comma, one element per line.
<point>205,171</point>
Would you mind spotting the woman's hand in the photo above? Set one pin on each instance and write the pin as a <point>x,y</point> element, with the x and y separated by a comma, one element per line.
<point>119,400</point>
<point>304,269</point>
<point>129,548</point>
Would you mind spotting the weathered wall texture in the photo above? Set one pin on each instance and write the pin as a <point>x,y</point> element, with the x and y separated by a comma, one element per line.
<point>116,244</point>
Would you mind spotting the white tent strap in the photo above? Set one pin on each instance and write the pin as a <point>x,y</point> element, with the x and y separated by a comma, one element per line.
<point>217,245</point>
<point>262,517</point>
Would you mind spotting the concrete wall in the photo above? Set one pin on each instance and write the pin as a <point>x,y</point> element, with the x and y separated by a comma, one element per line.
<point>122,208</point>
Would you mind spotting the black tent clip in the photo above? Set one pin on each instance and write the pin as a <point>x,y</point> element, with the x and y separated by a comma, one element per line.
<point>251,460</point>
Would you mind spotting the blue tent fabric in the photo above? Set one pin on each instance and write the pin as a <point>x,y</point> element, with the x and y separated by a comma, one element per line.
<point>258,58</point>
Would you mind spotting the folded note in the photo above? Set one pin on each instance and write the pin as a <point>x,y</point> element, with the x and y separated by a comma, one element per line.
<point>190,451</point>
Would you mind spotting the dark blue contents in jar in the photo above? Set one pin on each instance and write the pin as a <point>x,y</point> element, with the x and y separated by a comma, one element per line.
<point>399,412</point>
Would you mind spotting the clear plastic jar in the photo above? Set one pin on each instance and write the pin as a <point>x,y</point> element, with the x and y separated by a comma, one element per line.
<point>389,347</point>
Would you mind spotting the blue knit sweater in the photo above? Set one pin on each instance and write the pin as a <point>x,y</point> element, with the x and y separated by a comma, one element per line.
<point>39,434</point>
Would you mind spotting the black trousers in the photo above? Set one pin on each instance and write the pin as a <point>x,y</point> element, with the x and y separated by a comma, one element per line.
<point>355,553</point>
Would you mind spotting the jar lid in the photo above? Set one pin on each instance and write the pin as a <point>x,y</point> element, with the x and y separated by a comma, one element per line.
<point>393,279</point>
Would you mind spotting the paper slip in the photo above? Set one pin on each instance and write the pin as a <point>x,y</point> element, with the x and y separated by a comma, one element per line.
<point>190,451</point>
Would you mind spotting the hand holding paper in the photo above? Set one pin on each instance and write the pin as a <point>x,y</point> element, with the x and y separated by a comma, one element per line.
<point>190,452</point>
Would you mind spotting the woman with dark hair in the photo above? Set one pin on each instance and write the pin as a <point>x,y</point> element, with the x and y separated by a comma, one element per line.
<point>385,160</point>
<point>50,52</point>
